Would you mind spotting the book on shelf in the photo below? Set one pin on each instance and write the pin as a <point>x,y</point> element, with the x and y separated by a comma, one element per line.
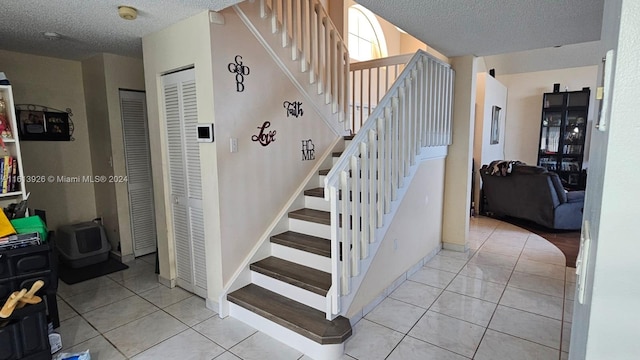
<point>9,173</point>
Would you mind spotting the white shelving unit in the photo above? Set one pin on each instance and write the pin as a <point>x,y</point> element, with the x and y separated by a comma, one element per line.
<point>12,148</point>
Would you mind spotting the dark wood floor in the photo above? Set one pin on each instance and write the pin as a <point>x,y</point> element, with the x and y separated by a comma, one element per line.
<point>567,241</point>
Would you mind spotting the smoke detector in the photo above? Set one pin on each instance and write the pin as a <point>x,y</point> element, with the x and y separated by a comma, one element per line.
<point>127,12</point>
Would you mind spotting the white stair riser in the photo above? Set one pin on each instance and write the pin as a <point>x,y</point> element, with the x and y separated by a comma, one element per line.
<point>321,182</point>
<point>334,160</point>
<point>286,336</point>
<point>310,228</point>
<point>347,143</point>
<point>295,293</point>
<point>316,203</point>
<point>301,257</point>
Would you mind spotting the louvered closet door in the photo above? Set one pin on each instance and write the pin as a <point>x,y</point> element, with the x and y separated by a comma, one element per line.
<point>133,108</point>
<point>185,180</point>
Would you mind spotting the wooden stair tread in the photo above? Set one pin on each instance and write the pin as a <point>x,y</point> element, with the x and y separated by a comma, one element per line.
<point>298,275</point>
<point>324,172</point>
<point>291,314</point>
<point>336,153</point>
<point>316,192</point>
<point>317,216</point>
<point>304,242</point>
<point>349,137</point>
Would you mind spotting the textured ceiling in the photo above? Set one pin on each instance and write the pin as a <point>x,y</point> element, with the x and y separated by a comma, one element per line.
<point>453,27</point>
<point>89,27</point>
<point>489,27</point>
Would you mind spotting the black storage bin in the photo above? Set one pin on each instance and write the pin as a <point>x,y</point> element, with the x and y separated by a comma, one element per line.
<point>25,336</point>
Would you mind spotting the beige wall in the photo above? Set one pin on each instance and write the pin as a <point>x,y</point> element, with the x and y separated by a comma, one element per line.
<point>524,106</point>
<point>256,182</point>
<point>120,73</point>
<point>58,84</point>
<point>416,231</point>
<point>187,43</point>
<point>103,76</point>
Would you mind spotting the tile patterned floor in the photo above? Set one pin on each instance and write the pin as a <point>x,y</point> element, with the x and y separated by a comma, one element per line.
<point>509,297</point>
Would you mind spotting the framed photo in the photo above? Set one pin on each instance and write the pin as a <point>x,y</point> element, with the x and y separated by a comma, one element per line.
<point>43,125</point>
<point>495,125</point>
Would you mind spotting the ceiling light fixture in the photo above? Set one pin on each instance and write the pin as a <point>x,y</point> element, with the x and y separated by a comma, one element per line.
<point>127,12</point>
<point>50,35</point>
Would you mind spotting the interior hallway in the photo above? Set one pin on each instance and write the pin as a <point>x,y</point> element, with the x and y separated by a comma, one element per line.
<point>510,297</point>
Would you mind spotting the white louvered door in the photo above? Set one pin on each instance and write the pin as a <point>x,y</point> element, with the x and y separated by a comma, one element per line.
<point>133,109</point>
<point>185,180</point>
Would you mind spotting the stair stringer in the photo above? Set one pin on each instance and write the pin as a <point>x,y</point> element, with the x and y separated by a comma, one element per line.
<point>262,249</point>
<point>249,14</point>
<point>426,153</point>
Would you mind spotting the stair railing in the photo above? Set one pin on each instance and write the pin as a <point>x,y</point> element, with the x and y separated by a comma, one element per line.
<point>315,42</point>
<point>370,80</point>
<point>414,113</point>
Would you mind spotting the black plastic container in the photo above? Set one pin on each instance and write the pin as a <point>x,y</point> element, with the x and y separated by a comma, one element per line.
<point>24,335</point>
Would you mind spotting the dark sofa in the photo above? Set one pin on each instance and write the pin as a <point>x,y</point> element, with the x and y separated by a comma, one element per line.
<point>532,193</point>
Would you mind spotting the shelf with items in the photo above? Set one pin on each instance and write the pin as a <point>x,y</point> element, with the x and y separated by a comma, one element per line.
<point>11,188</point>
<point>562,135</point>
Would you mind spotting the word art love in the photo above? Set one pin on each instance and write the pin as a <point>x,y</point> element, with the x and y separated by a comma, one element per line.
<point>264,137</point>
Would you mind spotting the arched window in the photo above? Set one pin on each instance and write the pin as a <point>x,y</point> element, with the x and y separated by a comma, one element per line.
<point>366,40</point>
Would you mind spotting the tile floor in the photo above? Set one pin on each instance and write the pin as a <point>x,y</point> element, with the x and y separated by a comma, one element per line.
<point>509,297</point>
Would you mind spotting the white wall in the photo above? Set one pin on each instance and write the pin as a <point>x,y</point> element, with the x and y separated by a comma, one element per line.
<point>416,230</point>
<point>489,93</point>
<point>607,324</point>
<point>186,43</point>
<point>524,107</point>
<point>257,181</point>
<point>55,83</point>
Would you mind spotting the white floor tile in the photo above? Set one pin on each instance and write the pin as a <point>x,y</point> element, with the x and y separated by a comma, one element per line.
<point>396,315</point>
<point>64,310</point>
<point>495,274</point>
<point>455,335</point>
<point>569,290</point>
<point>533,302</point>
<point>528,326</point>
<point>163,296</point>
<point>119,313</point>
<point>464,308</point>
<point>499,346</point>
<point>477,288</point>
<point>501,249</point>
<point>141,282</point>
<point>190,311</point>
<point>150,258</point>
<point>457,254</point>
<point>413,349</point>
<point>570,274</point>
<point>564,356</point>
<point>541,269</point>
<point>74,331</point>
<point>543,285</point>
<point>260,346</point>
<point>433,277</point>
<point>417,294</point>
<point>488,258</point>
<point>139,335</point>
<point>225,332</point>
<point>555,256</point>
<point>66,291</point>
<point>446,263</point>
<point>99,348</point>
<point>188,345</point>
<point>136,267</point>
<point>568,310</point>
<point>371,341</point>
<point>227,356</point>
<point>96,298</point>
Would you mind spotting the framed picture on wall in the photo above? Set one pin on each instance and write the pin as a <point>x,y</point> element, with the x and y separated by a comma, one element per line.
<point>43,125</point>
<point>495,125</point>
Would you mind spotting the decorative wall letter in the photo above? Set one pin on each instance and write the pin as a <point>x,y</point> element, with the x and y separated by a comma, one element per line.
<point>308,150</point>
<point>264,138</point>
<point>293,108</point>
<point>240,70</point>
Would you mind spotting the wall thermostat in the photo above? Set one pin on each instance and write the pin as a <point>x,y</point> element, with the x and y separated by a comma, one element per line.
<point>205,132</point>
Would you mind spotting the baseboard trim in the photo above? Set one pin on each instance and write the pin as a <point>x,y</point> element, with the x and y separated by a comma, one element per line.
<point>170,283</point>
<point>455,247</point>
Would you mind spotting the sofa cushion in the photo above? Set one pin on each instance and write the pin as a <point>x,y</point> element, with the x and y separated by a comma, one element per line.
<point>528,169</point>
<point>557,184</point>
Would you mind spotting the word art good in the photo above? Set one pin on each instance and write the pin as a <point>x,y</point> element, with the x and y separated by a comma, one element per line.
<point>240,70</point>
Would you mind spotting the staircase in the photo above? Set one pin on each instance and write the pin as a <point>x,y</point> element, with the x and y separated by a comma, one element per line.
<point>298,285</point>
